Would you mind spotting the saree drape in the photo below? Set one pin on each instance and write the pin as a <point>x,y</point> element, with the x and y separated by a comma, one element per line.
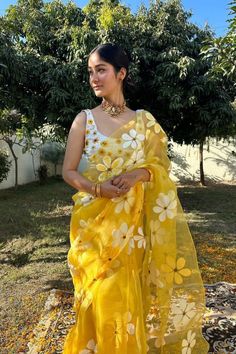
<point>137,285</point>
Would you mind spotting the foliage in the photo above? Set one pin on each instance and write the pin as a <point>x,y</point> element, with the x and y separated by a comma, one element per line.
<point>42,173</point>
<point>222,51</point>
<point>49,43</point>
<point>5,165</point>
<point>53,152</point>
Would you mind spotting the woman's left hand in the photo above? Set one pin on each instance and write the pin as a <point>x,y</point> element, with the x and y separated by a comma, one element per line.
<point>127,180</point>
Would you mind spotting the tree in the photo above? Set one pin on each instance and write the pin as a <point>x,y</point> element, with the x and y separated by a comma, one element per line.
<point>51,42</point>
<point>222,51</point>
<point>10,122</point>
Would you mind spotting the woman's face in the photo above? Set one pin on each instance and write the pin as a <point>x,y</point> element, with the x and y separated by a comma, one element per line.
<point>102,76</point>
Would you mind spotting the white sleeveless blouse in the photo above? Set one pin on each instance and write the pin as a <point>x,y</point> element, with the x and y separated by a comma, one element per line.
<point>93,139</point>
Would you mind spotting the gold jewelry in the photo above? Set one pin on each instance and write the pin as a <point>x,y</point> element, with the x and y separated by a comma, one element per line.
<point>150,174</point>
<point>99,190</point>
<point>94,189</point>
<point>113,110</point>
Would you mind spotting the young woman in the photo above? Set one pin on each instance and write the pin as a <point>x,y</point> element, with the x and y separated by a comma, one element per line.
<point>137,286</point>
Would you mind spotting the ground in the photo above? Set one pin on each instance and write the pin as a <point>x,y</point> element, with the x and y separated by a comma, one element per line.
<point>34,241</point>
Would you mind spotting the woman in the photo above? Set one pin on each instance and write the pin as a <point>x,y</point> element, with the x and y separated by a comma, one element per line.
<point>137,286</point>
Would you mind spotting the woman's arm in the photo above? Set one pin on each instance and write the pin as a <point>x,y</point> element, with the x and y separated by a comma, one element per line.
<point>142,174</point>
<point>73,153</point>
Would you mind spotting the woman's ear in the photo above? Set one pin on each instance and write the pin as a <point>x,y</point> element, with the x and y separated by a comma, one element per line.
<point>122,73</point>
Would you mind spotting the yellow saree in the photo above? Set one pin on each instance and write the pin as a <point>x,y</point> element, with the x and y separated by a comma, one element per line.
<point>137,286</point>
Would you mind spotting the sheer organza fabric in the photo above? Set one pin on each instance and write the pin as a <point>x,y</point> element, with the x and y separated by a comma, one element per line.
<point>137,285</point>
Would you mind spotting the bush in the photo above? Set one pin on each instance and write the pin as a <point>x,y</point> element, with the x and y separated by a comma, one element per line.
<point>53,152</point>
<point>5,165</point>
<point>42,173</point>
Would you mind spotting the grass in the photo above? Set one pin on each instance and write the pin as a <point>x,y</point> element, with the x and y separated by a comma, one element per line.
<point>34,242</point>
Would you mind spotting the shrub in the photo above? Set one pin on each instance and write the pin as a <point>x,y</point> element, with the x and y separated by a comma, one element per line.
<point>5,165</point>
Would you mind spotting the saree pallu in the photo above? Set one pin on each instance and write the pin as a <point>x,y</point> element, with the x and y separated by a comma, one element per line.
<point>137,285</point>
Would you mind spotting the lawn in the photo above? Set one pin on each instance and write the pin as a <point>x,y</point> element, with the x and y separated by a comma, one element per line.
<point>34,241</point>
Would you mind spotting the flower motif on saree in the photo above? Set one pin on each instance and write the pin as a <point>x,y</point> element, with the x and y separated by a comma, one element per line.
<point>85,200</point>
<point>174,270</point>
<point>91,348</point>
<point>189,343</point>
<point>136,158</point>
<point>153,123</point>
<point>182,312</point>
<point>141,241</point>
<point>121,235</point>
<point>159,342</point>
<point>140,238</point>
<point>130,325</point>
<point>84,223</point>
<point>118,331</point>
<point>157,232</point>
<point>166,205</point>
<point>122,328</point>
<point>109,168</point>
<point>125,202</point>
<point>132,139</point>
<point>154,276</point>
<point>115,265</point>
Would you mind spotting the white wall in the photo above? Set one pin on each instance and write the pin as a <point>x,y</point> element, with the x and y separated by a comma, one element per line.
<point>25,166</point>
<point>219,164</point>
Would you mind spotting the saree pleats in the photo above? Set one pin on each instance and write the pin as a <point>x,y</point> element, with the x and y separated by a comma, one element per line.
<point>137,286</point>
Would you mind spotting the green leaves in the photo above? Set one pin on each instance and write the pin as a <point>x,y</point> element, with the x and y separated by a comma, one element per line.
<point>186,84</point>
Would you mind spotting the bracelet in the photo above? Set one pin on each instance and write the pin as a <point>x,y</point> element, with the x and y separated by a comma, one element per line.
<point>150,174</point>
<point>94,189</point>
<point>99,190</point>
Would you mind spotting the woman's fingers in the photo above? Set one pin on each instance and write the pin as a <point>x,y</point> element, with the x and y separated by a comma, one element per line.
<point>116,180</point>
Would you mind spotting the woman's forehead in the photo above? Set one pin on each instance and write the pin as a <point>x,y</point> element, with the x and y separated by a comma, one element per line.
<point>95,60</point>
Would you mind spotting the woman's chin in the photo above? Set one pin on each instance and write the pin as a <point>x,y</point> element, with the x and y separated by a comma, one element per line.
<point>98,93</point>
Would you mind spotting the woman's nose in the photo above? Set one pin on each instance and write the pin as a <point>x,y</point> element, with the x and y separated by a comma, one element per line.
<point>93,77</point>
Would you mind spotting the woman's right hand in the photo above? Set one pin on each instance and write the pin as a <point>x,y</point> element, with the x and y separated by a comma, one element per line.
<point>108,190</point>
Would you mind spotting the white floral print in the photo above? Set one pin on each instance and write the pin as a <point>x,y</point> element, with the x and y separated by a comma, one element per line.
<point>109,168</point>
<point>121,235</point>
<point>140,238</point>
<point>141,241</point>
<point>132,139</point>
<point>166,205</point>
<point>90,349</point>
<point>130,326</point>
<point>183,312</point>
<point>154,276</point>
<point>83,223</point>
<point>124,202</point>
<point>137,157</point>
<point>189,343</point>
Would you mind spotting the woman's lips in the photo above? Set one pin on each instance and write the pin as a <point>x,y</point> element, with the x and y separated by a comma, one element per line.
<point>97,87</point>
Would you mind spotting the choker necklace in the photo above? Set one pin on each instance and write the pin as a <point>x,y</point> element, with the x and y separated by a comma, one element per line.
<point>113,110</point>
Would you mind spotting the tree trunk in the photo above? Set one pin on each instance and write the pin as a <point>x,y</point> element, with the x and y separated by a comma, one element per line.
<point>202,177</point>
<point>16,162</point>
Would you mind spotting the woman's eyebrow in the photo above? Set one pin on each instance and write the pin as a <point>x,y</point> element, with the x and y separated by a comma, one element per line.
<point>89,67</point>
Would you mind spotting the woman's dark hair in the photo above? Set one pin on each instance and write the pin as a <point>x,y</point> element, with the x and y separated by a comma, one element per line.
<point>117,57</point>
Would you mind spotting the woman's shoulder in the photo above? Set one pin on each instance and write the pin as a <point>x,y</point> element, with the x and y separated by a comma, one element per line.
<point>80,119</point>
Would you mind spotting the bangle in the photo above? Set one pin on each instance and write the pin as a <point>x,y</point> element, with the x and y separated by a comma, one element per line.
<point>98,189</point>
<point>93,189</point>
<point>150,174</point>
